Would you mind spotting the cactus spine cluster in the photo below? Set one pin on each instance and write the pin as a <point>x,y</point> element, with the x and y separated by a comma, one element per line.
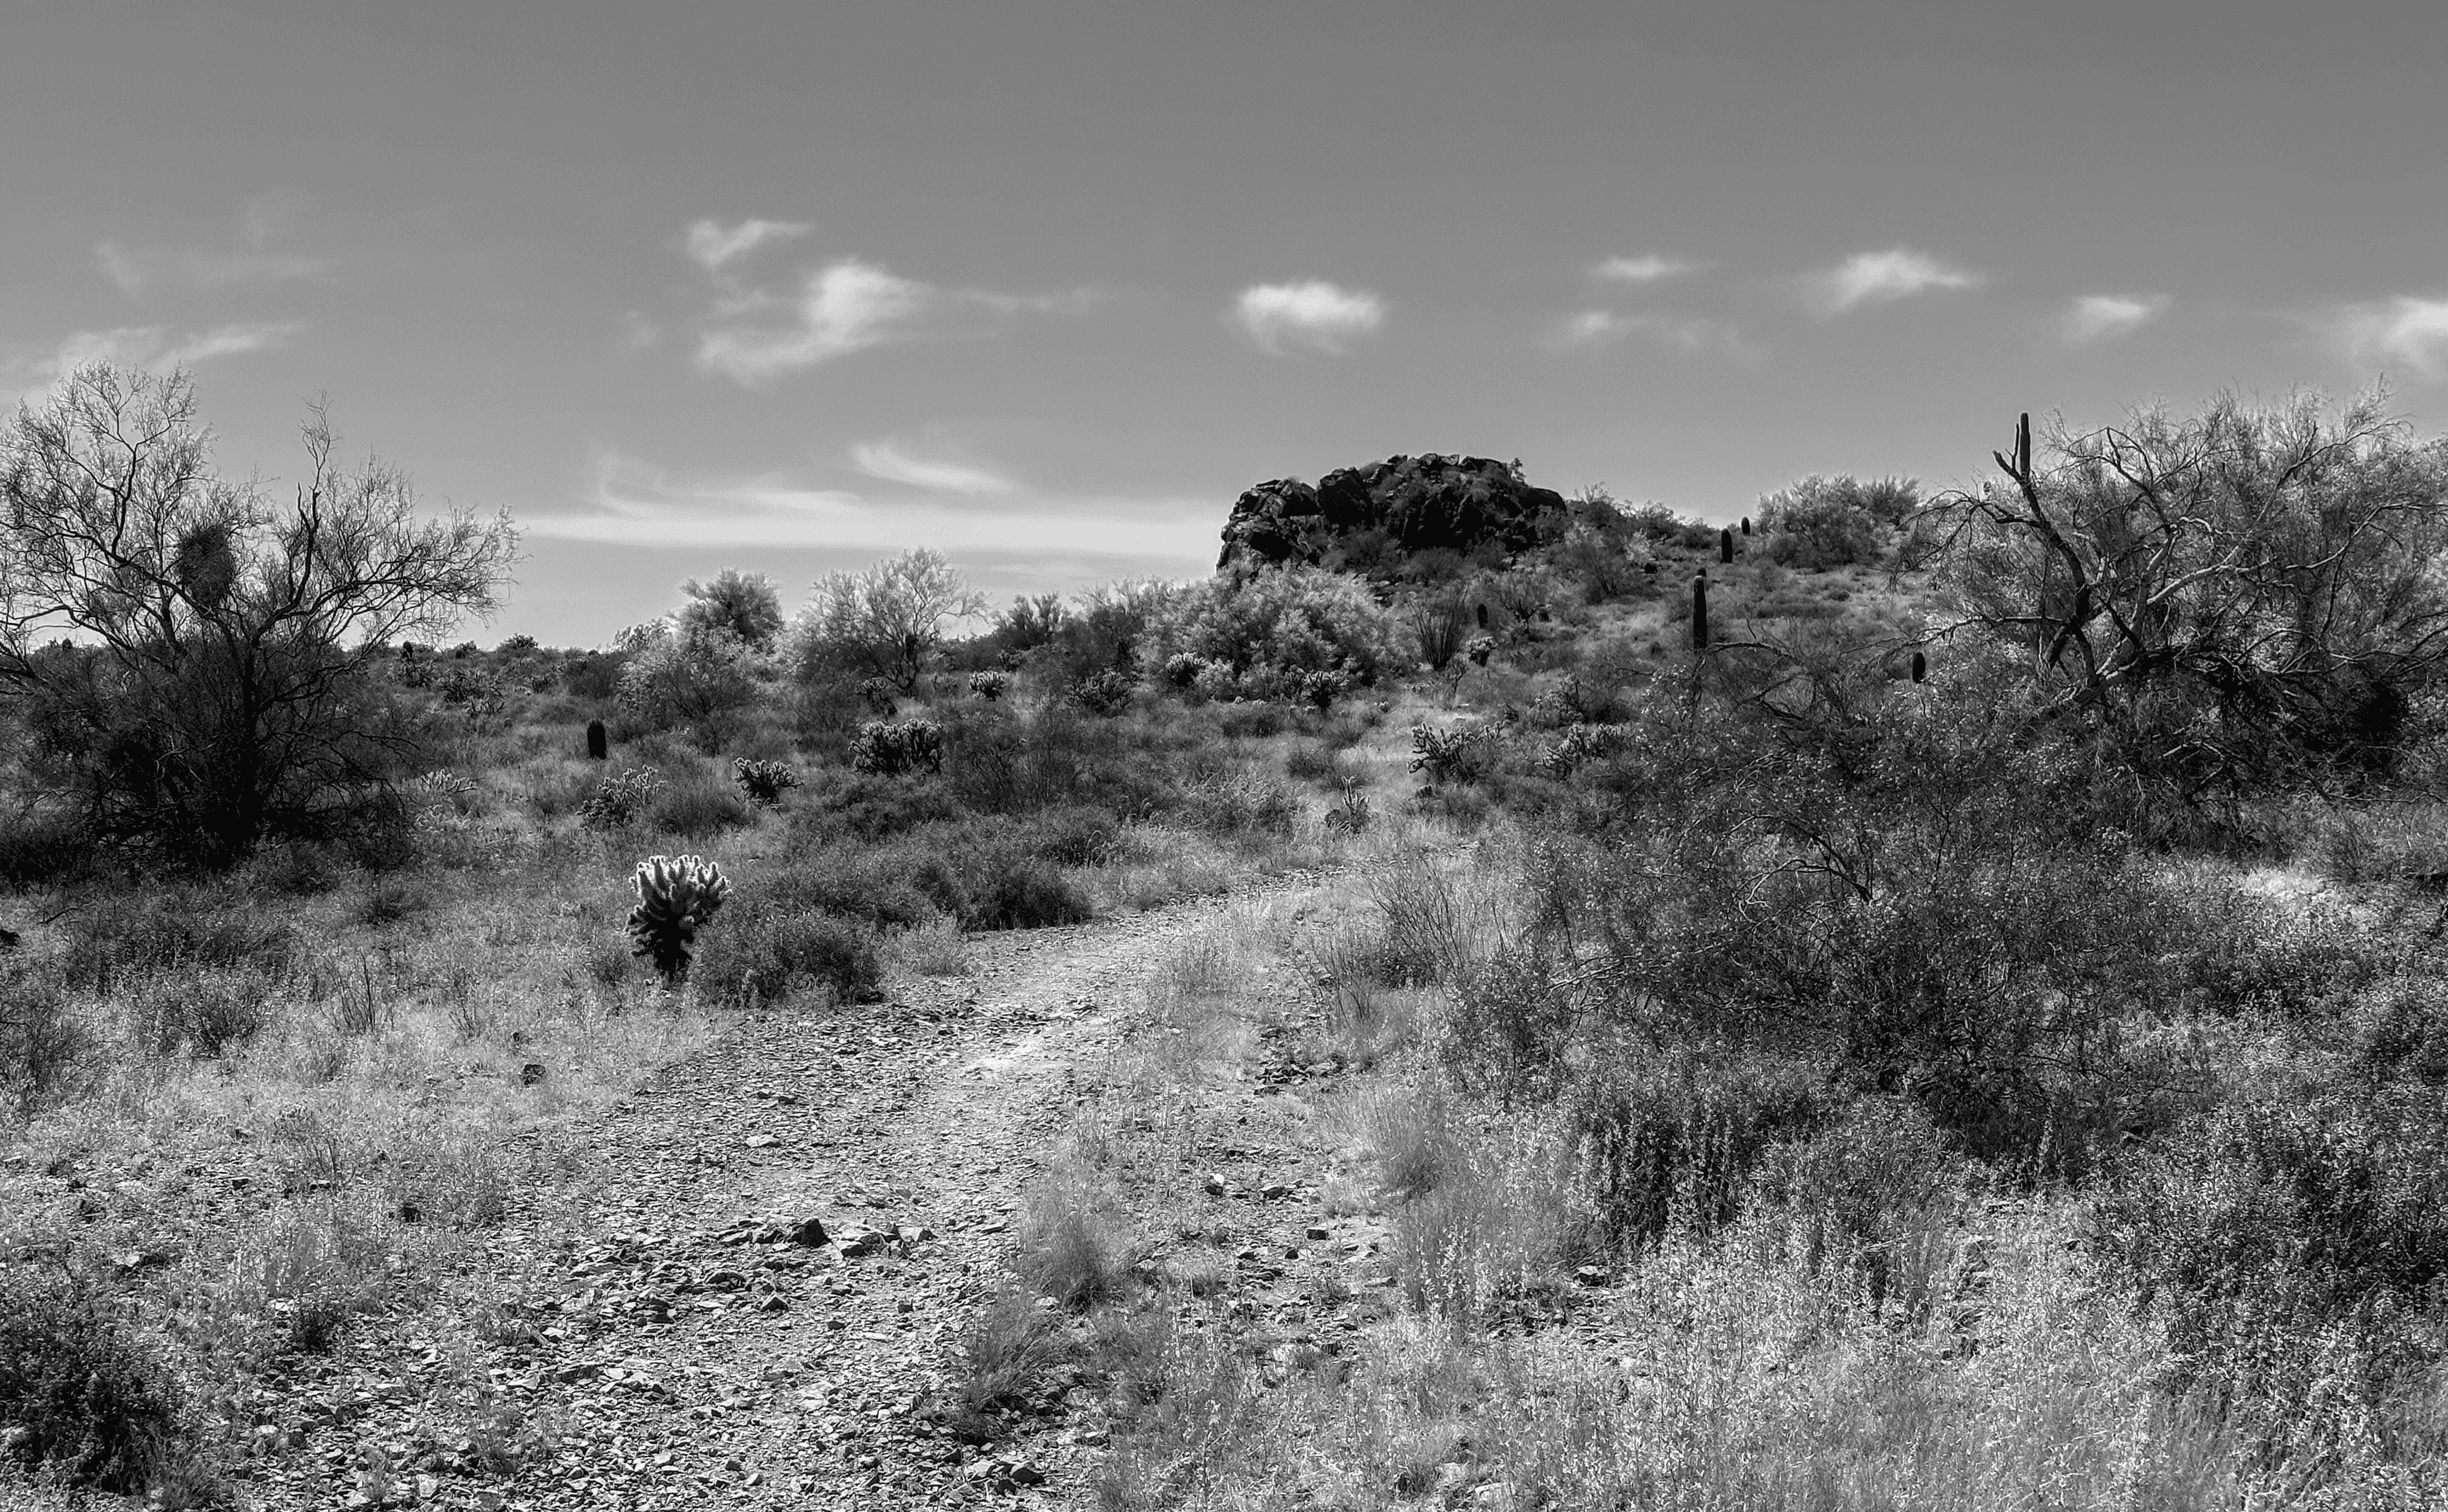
<point>676,896</point>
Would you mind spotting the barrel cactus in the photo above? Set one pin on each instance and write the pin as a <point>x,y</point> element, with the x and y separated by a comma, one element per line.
<point>676,896</point>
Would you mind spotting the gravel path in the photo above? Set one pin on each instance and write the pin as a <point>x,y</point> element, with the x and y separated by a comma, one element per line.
<point>672,1329</point>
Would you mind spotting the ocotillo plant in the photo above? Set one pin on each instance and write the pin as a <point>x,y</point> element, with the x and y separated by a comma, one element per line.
<point>676,896</point>
<point>1725,545</point>
<point>1700,612</point>
<point>599,745</point>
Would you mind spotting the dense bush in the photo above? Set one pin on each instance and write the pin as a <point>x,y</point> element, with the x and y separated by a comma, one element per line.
<point>1834,521</point>
<point>691,674</point>
<point>45,1050</point>
<point>1277,626</point>
<point>78,1395</point>
<point>767,949</point>
<point>2296,1240</point>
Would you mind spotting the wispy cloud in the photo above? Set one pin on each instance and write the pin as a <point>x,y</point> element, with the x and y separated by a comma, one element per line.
<point>1316,316</point>
<point>888,461</point>
<point>1880,278</point>
<point>156,347</point>
<point>632,502</point>
<point>140,270</point>
<point>850,306</point>
<point>711,243</point>
<point>2408,330</point>
<point>1602,327</point>
<point>1648,269</point>
<point>2100,317</point>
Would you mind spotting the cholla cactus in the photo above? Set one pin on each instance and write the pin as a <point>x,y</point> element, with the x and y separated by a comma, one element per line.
<point>764,781</point>
<point>676,896</point>
<point>989,684</point>
<point>887,749</point>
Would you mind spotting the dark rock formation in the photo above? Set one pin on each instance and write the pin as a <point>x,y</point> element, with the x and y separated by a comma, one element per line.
<point>1403,504</point>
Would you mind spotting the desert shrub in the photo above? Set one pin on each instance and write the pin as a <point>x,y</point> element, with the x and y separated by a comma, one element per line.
<point>1439,625</point>
<point>1008,1355</point>
<point>887,623</point>
<point>764,781</point>
<point>742,605</point>
<point>893,748</point>
<point>696,806</point>
<point>622,799</point>
<point>885,888</point>
<point>1834,521</point>
<point>115,940</point>
<point>81,1396</point>
<point>2296,1242</point>
<point>689,674</point>
<point>45,1049</point>
<point>1000,763</point>
<point>765,951</point>
<point>1277,625</point>
<point>206,1013</point>
<point>1074,836</point>
<point>1011,889</point>
<point>871,808</point>
<point>39,849</point>
<point>1670,1143</point>
<point>1239,803</point>
<point>1870,1193</point>
<point>1072,1246</point>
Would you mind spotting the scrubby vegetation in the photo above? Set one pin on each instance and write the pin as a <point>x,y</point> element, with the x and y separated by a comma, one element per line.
<point>1967,1021</point>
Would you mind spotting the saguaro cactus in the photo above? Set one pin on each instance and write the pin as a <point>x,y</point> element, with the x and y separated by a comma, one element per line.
<point>676,896</point>
<point>1725,545</point>
<point>599,745</point>
<point>1700,612</point>
<point>1746,524</point>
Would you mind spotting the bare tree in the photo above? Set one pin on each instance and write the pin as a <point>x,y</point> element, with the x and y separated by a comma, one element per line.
<point>2225,593</point>
<point>886,620</point>
<point>189,650</point>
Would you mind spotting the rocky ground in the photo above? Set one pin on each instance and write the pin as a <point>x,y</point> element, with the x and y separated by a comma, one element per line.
<point>759,1278</point>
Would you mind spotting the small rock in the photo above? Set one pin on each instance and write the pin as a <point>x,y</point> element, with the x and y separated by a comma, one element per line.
<point>1591,1276</point>
<point>1317,1232</point>
<point>531,1073</point>
<point>1275,1190</point>
<point>762,1141</point>
<point>1213,1185</point>
<point>810,1232</point>
<point>428,1489</point>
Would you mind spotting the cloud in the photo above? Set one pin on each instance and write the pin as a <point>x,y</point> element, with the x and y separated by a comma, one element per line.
<point>140,270</point>
<point>632,502</point>
<point>850,306</point>
<point>886,460</point>
<point>155,347</point>
<point>1601,328</point>
<point>1642,270</point>
<point>2404,330</point>
<point>1315,315</point>
<point>1879,278</point>
<point>2098,317</point>
<point>711,243</point>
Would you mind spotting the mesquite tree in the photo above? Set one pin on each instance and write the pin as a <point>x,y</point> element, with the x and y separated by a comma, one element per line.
<point>191,655</point>
<point>2226,597</point>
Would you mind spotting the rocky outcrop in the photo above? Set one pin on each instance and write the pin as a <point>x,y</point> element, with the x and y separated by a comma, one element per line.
<point>1401,505</point>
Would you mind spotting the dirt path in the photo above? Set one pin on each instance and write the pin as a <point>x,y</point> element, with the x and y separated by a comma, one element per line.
<point>692,1350</point>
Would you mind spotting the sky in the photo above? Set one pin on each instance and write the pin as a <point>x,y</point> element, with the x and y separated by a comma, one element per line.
<point>1044,284</point>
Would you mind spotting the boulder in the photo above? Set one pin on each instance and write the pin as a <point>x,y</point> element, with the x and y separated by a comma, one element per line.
<point>1428,503</point>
